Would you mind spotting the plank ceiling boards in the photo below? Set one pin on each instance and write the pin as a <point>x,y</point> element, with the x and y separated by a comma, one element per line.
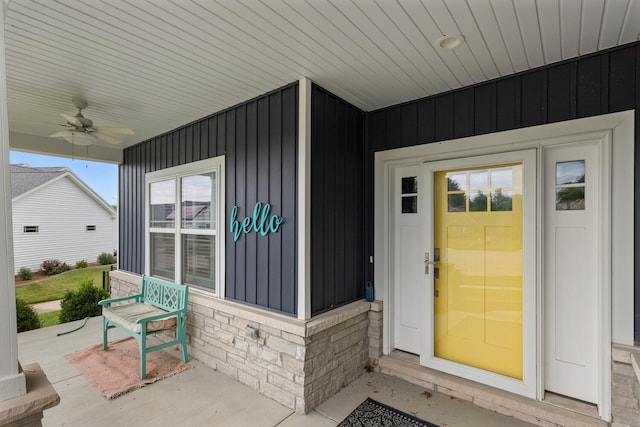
<point>154,65</point>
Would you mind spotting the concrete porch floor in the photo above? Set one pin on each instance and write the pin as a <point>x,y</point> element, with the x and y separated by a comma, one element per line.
<point>203,397</point>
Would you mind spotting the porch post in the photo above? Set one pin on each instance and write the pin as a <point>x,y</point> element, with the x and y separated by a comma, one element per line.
<point>304,199</point>
<point>12,381</point>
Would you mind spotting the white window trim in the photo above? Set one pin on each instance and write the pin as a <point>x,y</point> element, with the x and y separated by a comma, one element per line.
<point>215,164</point>
<point>31,229</point>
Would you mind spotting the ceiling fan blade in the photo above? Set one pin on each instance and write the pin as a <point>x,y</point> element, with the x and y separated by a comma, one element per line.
<point>106,138</point>
<point>72,120</point>
<point>76,138</point>
<point>61,134</point>
<point>119,131</point>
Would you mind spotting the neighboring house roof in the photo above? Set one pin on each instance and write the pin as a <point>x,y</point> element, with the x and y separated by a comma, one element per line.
<point>26,179</point>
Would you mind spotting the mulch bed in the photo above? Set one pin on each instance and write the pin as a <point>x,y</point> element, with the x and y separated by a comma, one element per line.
<point>37,276</point>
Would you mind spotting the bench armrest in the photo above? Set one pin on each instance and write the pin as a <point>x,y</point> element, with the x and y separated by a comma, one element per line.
<point>107,302</point>
<point>176,313</point>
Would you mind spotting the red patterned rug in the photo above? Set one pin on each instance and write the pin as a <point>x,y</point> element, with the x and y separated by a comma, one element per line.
<point>116,371</point>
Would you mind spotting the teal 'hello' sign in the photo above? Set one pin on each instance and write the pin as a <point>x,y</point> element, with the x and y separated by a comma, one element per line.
<point>260,222</point>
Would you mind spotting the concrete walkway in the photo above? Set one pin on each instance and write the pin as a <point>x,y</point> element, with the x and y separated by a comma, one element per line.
<point>47,307</point>
<point>202,396</point>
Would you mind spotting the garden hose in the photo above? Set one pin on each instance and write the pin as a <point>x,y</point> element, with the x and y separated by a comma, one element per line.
<point>84,322</point>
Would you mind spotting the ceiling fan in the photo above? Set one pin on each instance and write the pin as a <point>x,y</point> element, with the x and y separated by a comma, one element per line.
<point>81,131</point>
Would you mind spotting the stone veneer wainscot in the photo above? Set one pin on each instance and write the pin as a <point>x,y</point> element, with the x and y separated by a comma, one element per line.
<point>626,385</point>
<point>297,363</point>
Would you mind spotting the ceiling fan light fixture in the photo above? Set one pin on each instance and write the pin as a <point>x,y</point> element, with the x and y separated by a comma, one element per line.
<point>450,41</point>
<point>75,137</point>
<point>80,138</point>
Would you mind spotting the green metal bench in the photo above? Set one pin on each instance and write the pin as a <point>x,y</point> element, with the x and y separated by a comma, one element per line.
<point>159,306</point>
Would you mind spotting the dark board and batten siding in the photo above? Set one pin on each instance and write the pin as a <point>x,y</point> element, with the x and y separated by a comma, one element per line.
<point>596,84</point>
<point>260,142</point>
<point>259,139</point>
<point>337,202</point>
<point>262,167</point>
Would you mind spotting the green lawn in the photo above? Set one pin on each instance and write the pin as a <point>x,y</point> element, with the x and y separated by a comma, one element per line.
<point>55,287</point>
<point>49,319</point>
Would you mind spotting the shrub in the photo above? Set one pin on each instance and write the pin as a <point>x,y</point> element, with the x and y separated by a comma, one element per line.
<point>82,303</point>
<point>82,264</point>
<point>25,273</point>
<point>53,266</point>
<point>105,258</point>
<point>27,319</point>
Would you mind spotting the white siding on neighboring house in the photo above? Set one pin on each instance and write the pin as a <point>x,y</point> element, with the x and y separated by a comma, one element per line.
<point>62,210</point>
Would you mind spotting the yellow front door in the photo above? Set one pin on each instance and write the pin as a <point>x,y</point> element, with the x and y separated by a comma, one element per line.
<point>478,276</point>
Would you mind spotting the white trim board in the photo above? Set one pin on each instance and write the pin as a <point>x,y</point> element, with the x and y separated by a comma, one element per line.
<point>304,199</point>
<point>12,382</point>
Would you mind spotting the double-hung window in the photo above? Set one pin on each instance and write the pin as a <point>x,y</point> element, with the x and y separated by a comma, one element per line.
<point>183,220</point>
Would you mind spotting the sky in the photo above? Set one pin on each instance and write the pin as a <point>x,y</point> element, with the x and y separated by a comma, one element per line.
<point>101,177</point>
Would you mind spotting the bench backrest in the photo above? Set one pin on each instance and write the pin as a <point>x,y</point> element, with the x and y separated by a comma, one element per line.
<point>163,294</point>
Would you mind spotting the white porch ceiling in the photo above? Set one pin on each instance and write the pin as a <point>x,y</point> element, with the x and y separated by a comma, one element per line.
<point>157,64</point>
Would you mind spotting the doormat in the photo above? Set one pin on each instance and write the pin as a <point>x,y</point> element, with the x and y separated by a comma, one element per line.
<point>372,413</point>
<point>116,371</point>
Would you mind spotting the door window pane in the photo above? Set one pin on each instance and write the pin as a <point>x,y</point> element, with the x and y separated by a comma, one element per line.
<point>570,185</point>
<point>572,172</point>
<point>457,202</point>
<point>570,198</point>
<point>501,201</point>
<point>162,255</point>
<point>162,197</point>
<point>198,201</point>
<point>410,185</point>
<point>198,260</point>
<point>457,185</point>
<point>457,181</point>
<point>478,202</point>
<point>410,204</point>
<point>502,178</point>
<point>478,180</point>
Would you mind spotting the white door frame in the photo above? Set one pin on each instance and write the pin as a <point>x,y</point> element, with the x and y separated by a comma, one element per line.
<point>526,386</point>
<point>617,125</point>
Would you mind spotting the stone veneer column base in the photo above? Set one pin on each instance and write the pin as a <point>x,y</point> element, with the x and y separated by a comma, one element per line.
<point>297,363</point>
<point>26,410</point>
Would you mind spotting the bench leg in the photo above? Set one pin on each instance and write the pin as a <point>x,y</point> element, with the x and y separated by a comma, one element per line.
<point>185,356</point>
<point>105,328</point>
<point>181,336</point>
<point>142,343</point>
<point>183,343</point>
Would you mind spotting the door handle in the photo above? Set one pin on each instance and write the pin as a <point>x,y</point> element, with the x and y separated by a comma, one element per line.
<point>427,262</point>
